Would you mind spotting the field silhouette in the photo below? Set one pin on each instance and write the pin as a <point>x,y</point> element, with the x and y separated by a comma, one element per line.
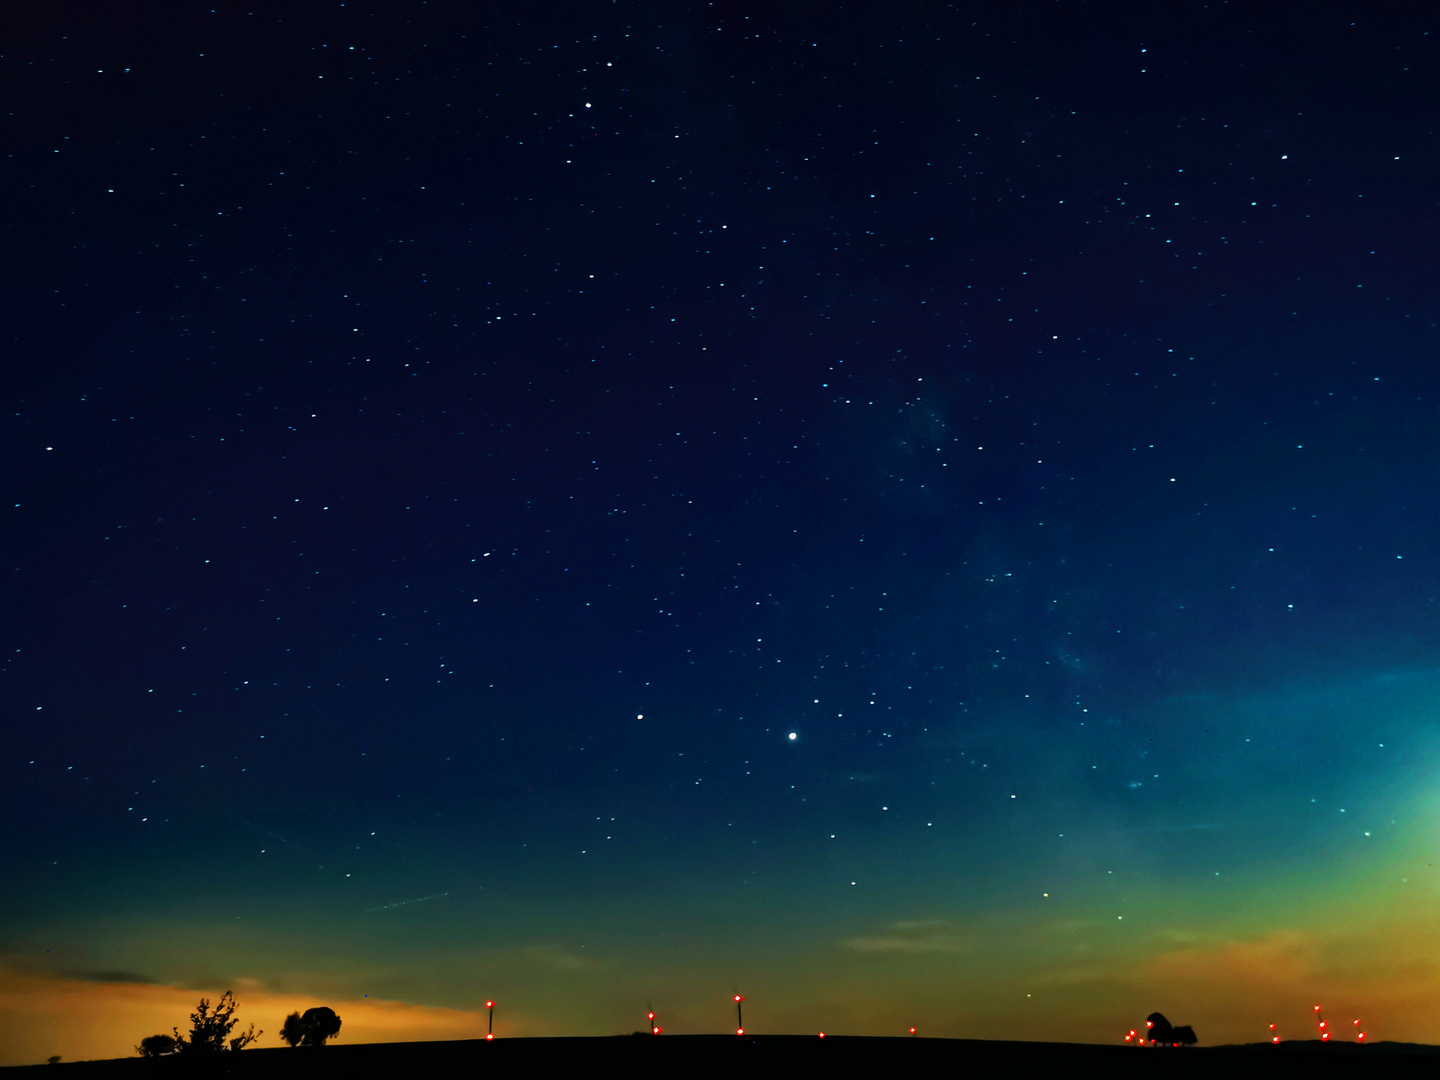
<point>749,1056</point>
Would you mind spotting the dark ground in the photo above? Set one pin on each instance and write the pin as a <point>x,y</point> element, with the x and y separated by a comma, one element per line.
<point>769,1055</point>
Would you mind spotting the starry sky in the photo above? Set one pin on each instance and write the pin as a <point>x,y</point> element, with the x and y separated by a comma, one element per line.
<point>914,513</point>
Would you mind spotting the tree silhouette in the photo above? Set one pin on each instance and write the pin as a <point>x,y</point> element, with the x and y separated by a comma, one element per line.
<point>312,1029</point>
<point>210,1031</point>
<point>156,1046</point>
<point>1160,1030</point>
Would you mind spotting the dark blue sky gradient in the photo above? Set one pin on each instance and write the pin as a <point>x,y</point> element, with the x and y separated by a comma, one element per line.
<point>451,448</point>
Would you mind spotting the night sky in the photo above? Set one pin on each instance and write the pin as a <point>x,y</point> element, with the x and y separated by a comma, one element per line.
<point>914,513</point>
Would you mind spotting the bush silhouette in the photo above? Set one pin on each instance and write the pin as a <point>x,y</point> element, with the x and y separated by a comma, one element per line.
<point>210,1031</point>
<point>156,1046</point>
<point>1159,1029</point>
<point>312,1029</point>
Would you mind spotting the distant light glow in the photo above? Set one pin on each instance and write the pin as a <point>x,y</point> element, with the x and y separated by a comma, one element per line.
<point>792,736</point>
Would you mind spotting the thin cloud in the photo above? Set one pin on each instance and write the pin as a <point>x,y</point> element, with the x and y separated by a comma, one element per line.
<point>912,936</point>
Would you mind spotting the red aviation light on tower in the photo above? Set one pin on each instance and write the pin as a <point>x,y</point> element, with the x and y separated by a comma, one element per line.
<point>739,1031</point>
<point>912,1031</point>
<point>822,1035</point>
<point>739,997</point>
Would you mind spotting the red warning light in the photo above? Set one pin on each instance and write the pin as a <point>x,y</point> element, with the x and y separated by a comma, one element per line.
<point>1360,1037</point>
<point>1149,1024</point>
<point>489,1004</point>
<point>488,1038</point>
<point>822,1034</point>
<point>912,1031</point>
<point>1272,1027</point>
<point>1325,1037</point>
<point>739,1031</point>
<point>1276,1039</point>
<point>650,1015</point>
<point>1322,1023</point>
<point>1317,1008</point>
<point>656,1030</point>
<point>739,997</point>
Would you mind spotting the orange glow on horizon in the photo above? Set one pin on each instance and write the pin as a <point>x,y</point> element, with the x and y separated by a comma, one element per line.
<point>38,1016</point>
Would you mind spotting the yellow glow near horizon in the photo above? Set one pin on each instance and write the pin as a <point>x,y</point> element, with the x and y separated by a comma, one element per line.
<point>82,1020</point>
